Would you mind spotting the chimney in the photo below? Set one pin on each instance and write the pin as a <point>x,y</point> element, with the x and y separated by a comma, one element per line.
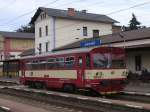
<point>71,12</point>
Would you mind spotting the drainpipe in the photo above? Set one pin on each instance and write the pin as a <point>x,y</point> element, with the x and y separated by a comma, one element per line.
<point>53,33</point>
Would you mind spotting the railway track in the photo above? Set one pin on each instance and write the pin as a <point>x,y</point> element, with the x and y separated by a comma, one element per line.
<point>94,104</point>
<point>128,96</point>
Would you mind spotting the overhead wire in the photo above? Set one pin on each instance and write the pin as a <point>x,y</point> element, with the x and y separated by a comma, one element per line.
<point>7,5</point>
<point>27,13</point>
<point>114,12</point>
<point>134,6</point>
<point>137,5</point>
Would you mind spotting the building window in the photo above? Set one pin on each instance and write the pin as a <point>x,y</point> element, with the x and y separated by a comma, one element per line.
<point>43,16</point>
<point>40,48</point>
<point>95,33</point>
<point>46,30</point>
<point>84,31</point>
<point>47,46</point>
<point>138,63</point>
<point>40,32</point>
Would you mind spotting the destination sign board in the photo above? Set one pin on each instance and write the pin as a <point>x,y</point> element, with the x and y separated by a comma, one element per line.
<point>90,43</point>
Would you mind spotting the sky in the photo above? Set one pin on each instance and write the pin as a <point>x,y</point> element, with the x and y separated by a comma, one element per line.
<point>15,13</point>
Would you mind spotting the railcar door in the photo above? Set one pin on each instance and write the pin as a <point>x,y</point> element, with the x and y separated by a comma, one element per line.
<point>22,68</point>
<point>80,70</point>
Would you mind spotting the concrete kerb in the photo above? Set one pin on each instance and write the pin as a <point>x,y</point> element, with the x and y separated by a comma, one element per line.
<point>136,93</point>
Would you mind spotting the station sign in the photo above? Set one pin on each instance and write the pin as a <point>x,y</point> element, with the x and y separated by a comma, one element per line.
<point>90,43</point>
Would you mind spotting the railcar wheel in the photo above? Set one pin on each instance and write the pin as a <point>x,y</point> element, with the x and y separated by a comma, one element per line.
<point>31,84</point>
<point>38,85</point>
<point>44,86</point>
<point>69,88</point>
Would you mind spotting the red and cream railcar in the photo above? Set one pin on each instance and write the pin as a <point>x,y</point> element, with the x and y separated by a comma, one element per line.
<point>100,69</point>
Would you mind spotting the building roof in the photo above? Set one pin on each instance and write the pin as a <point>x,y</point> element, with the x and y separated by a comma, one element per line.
<point>78,16</point>
<point>143,33</point>
<point>17,35</point>
<point>28,52</point>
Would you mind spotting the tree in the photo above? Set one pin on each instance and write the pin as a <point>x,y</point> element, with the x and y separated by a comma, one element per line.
<point>26,28</point>
<point>134,23</point>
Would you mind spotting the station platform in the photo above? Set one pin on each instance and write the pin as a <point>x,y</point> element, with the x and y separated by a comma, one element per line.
<point>138,87</point>
<point>8,79</point>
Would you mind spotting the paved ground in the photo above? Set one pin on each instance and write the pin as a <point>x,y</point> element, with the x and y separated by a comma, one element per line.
<point>138,87</point>
<point>14,79</point>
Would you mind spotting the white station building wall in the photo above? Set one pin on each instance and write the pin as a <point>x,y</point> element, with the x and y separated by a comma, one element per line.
<point>64,31</point>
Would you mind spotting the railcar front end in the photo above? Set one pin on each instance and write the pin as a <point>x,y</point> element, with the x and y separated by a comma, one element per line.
<point>108,74</point>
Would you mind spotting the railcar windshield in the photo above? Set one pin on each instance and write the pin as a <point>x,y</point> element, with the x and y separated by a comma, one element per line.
<point>108,60</point>
<point>102,60</point>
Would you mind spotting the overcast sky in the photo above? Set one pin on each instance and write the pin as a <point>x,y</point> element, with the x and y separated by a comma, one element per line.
<point>11,11</point>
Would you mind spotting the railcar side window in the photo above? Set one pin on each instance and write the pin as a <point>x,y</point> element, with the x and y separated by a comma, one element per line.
<point>42,64</point>
<point>28,65</point>
<point>35,64</point>
<point>102,60</point>
<point>69,62</point>
<point>60,62</point>
<point>51,62</point>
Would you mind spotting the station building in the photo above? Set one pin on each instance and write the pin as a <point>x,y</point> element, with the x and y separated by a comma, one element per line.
<point>55,27</point>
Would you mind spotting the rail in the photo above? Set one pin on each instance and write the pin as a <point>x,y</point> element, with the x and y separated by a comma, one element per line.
<point>77,101</point>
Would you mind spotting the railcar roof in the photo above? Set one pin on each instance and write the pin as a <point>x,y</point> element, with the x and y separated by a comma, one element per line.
<point>72,51</point>
<point>62,52</point>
